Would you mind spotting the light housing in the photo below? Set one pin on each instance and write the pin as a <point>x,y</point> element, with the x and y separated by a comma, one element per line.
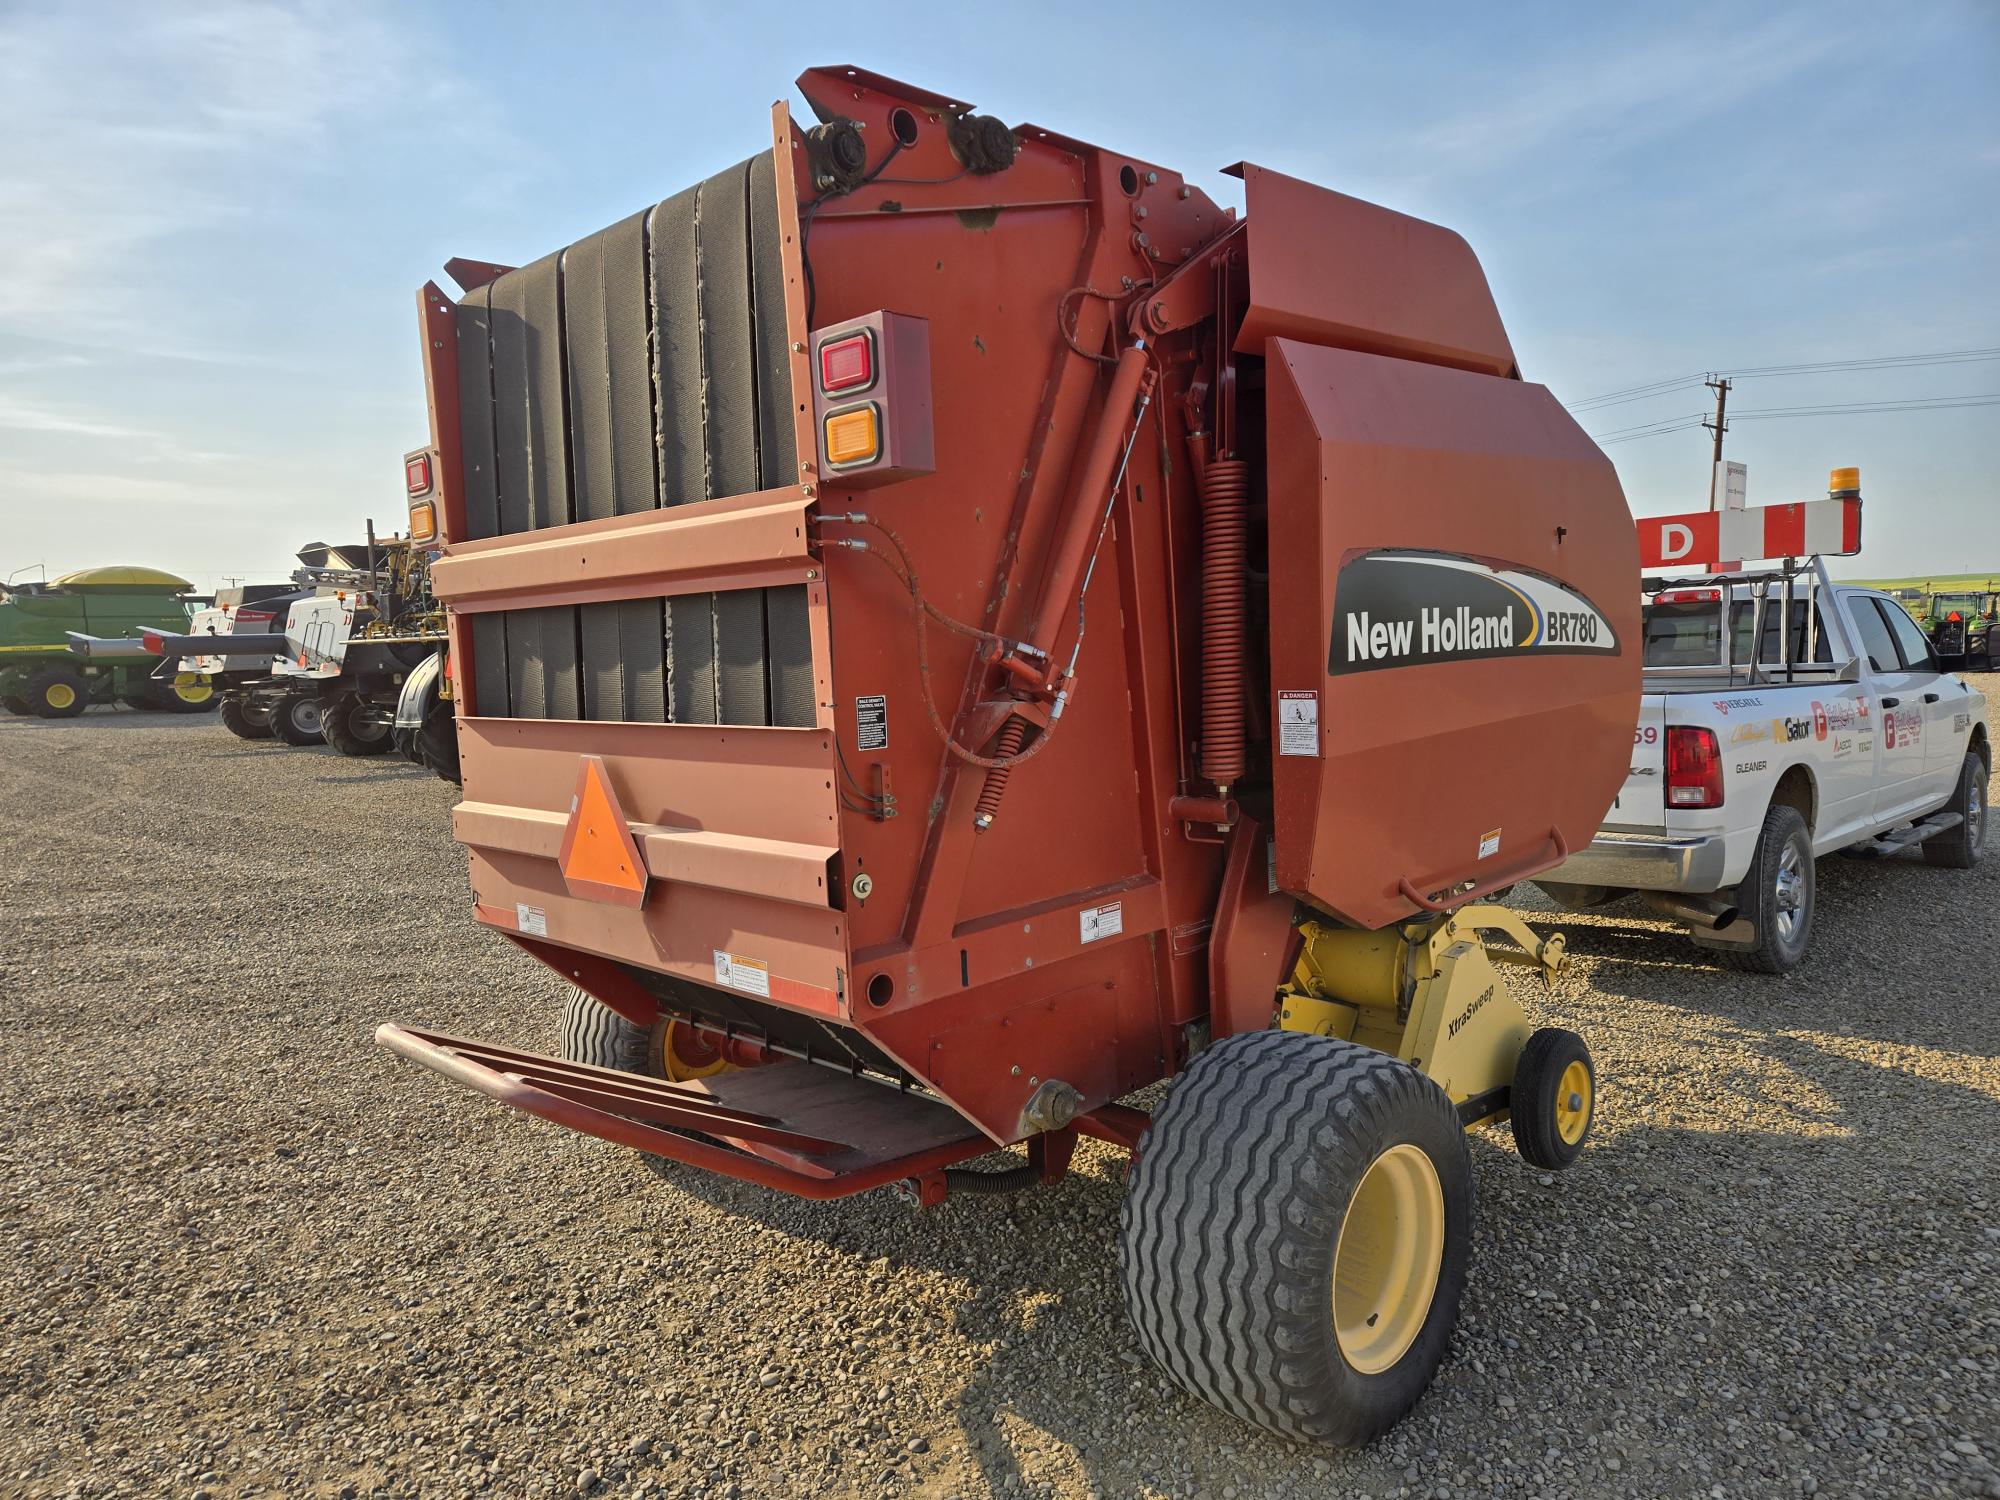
<point>1694,767</point>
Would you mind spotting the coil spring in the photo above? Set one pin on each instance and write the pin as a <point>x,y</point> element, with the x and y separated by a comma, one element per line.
<point>1225,499</point>
<point>1012,736</point>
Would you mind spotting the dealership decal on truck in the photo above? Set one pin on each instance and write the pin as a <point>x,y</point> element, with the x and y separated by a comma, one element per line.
<point>1406,609</point>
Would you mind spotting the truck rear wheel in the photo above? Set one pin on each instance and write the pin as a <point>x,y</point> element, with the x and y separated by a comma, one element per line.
<point>245,721</point>
<point>297,720</point>
<point>57,693</point>
<point>352,730</point>
<point>1776,897</point>
<point>1958,848</point>
<point>1295,1239</point>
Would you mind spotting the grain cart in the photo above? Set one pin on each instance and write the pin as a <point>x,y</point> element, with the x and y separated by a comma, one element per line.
<point>40,675</point>
<point>950,627</point>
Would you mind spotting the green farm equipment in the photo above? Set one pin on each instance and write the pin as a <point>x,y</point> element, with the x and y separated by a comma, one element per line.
<point>40,675</point>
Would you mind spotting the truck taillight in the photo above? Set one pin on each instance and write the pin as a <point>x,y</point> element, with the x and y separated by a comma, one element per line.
<point>417,473</point>
<point>423,522</point>
<point>1694,767</point>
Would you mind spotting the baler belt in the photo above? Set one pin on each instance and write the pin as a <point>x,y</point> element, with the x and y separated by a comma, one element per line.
<point>647,365</point>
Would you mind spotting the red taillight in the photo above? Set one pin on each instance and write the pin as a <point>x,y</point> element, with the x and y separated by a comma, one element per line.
<point>847,364</point>
<point>1694,767</point>
<point>1691,596</point>
<point>417,474</point>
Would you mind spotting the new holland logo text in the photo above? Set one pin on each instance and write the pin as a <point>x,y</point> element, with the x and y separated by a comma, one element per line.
<point>1401,609</point>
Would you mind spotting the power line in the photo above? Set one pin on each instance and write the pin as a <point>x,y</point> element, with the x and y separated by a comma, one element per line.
<point>1631,393</point>
<point>1770,413</point>
<point>1929,403</point>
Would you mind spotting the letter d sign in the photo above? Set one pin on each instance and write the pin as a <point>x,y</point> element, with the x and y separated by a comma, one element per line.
<point>1676,541</point>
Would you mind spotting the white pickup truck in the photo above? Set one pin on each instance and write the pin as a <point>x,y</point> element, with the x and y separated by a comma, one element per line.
<point>1841,732</point>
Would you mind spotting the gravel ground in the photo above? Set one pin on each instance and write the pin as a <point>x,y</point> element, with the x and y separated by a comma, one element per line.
<point>246,1252</point>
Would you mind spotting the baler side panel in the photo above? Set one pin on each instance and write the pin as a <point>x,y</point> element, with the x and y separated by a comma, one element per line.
<point>1329,269</point>
<point>1449,769</point>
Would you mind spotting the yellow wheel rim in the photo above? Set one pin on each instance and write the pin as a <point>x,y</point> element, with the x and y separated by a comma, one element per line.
<point>672,1064</point>
<point>1573,1102</point>
<point>1387,1259</point>
<point>192,687</point>
<point>59,695</point>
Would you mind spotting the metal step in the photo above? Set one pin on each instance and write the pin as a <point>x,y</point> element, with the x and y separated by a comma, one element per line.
<point>1905,838</point>
<point>790,1125</point>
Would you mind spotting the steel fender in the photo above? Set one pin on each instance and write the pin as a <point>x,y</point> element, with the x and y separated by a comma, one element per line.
<point>420,691</point>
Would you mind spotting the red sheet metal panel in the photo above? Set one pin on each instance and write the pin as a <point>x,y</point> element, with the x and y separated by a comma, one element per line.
<point>1331,269</point>
<point>1455,605</point>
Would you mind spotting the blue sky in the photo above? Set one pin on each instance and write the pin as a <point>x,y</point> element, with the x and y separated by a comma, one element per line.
<point>214,216</point>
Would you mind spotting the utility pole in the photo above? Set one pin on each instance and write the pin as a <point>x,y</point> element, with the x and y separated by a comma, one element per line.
<point>1718,424</point>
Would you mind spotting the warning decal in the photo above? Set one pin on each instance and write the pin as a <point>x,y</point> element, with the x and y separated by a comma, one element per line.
<point>871,722</point>
<point>750,975</point>
<point>1298,723</point>
<point>531,920</point>
<point>1489,843</point>
<point>1105,921</point>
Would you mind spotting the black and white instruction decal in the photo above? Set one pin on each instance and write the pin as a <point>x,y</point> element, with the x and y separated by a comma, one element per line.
<point>1104,921</point>
<point>1406,609</point>
<point>1298,723</point>
<point>871,722</point>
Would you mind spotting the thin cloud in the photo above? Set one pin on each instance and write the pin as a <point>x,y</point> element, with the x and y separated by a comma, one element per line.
<point>1637,89</point>
<point>187,112</point>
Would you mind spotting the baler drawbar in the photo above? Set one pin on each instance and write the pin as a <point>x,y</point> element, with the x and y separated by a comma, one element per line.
<point>949,627</point>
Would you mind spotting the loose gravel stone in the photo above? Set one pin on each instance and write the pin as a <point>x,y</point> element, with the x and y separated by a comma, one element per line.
<point>245,1252</point>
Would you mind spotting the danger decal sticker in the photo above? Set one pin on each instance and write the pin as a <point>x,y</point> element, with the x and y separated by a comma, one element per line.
<point>1408,609</point>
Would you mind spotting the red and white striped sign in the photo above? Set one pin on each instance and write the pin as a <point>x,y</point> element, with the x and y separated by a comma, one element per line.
<point>1706,538</point>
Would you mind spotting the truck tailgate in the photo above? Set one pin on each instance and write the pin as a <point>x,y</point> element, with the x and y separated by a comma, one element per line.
<point>1642,801</point>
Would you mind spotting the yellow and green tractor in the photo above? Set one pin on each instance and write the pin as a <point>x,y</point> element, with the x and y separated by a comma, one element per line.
<point>40,675</point>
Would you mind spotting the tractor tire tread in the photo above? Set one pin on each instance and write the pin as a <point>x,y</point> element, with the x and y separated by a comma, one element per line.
<point>1224,1250</point>
<point>594,1033</point>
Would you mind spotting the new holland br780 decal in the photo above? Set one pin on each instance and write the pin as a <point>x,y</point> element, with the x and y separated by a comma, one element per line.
<point>1406,609</point>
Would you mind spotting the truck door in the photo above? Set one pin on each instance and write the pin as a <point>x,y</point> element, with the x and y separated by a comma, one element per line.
<point>1940,699</point>
<point>1641,801</point>
<point>1901,784</point>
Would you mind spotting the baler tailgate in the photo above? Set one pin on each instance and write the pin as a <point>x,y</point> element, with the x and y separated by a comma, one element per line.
<point>875,1134</point>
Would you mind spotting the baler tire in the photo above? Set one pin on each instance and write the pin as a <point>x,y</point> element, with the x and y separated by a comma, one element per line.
<point>1554,1099</point>
<point>60,683</point>
<point>1232,1228</point>
<point>285,721</point>
<point>1761,904</point>
<point>594,1033</point>
<point>17,705</point>
<point>337,723</point>
<point>437,742</point>
<point>1958,848</point>
<point>240,721</point>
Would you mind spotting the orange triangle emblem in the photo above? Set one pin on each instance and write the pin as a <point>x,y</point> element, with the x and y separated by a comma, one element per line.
<point>599,857</point>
